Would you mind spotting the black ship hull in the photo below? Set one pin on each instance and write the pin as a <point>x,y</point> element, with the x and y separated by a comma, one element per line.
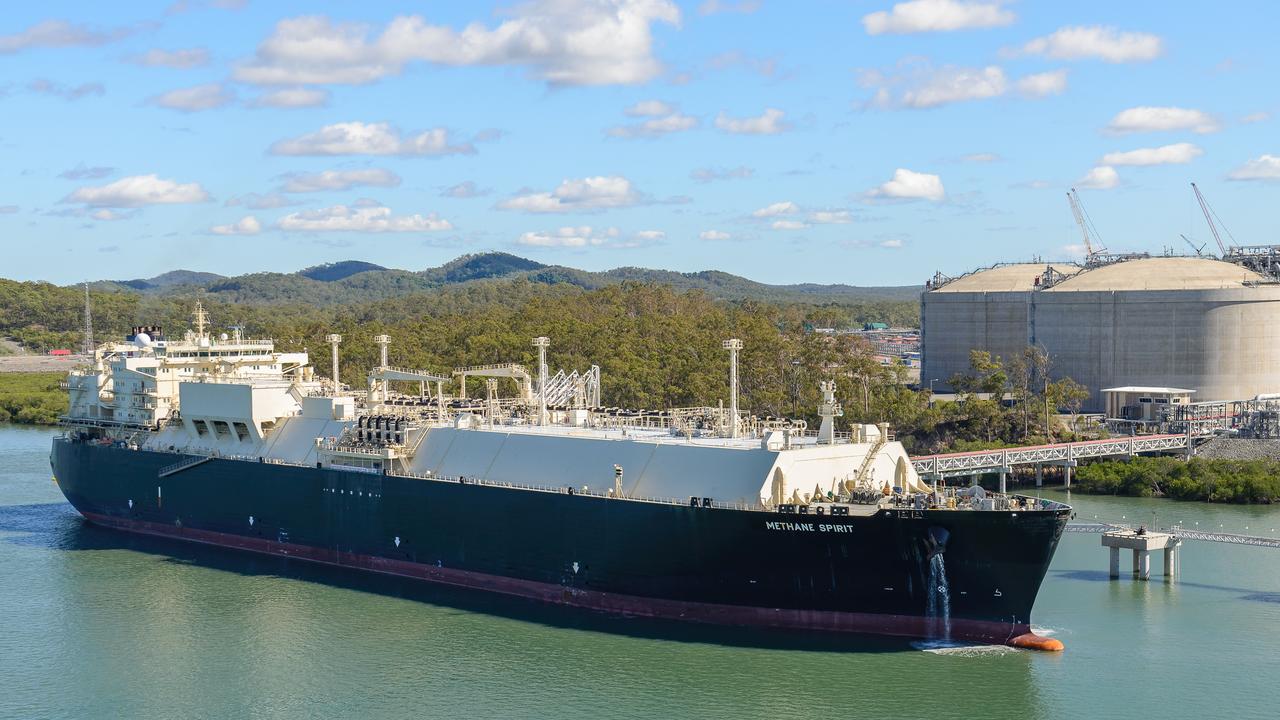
<point>966,575</point>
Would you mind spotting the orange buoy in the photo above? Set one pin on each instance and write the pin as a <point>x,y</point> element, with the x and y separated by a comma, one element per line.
<point>1032,641</point>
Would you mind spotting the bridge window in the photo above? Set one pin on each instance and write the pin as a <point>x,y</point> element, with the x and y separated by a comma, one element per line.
<point>201,428</point>
<point>222,428</point>
<point>242,431</point>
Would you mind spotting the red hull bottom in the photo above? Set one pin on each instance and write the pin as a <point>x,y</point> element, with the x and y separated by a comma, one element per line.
<point>1017,635</point>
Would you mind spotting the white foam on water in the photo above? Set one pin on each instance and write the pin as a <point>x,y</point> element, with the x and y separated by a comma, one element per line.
<point>951,649</point>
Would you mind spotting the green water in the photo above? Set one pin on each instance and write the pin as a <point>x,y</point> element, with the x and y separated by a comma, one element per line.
<point>96,624</point>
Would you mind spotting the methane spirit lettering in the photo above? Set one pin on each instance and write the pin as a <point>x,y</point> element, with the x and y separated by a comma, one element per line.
<point>807,527</point>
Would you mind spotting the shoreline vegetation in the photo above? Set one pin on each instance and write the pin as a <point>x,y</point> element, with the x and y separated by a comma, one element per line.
<point>32,398</point>
<point>1198,479</point>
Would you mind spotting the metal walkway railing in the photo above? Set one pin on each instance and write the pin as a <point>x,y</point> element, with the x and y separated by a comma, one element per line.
<point>1182,532</point>
<point>1047,454</point>
<point>182,465</point>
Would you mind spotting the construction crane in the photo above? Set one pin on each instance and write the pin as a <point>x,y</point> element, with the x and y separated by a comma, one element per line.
<point>1208,217</point>
<point>1198,250</point>
<point>1082,219</point>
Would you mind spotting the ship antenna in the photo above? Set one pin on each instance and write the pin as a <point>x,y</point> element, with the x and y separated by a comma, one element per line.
<point>202,319</point>
<point>88,324</point>
<point>733,345</point>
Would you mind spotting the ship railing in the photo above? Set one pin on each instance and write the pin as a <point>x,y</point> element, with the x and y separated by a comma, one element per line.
<point>567,490</point>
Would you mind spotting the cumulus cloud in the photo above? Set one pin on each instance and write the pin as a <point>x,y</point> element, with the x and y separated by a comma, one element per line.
<point>788,225</point>
<point>570,237</point>
<point>357,138</point>
<point>56,34</point>
<point>714,235</point>
<point>716,7</point>
<point>138,191</point>
<point>288,98</point>
<point>561,42</point>
<point>209,96</point>
<point>329,180</point>
<point>1263,167</point>
<point>830,217</point>
<point>463,190</point>
<point>376,219</point>
<point>770,123</point>
<point>247,225</point>
<point>254,201</point>
<point>661,119</point>
<point>1176,154</point>
<point>706,174</point>
<point>66,92</point>
<point>778,208</point>
<point>81,172</point>
<point>651,235</point>
<point>1096,42</point>
<point>1153,119</point>
<point>591,193</point>
<point>177,59</point>
<point>937,16</point>
<point>1103,177</point>
<point>983,157</point>
<point>1043,84</point>
<point>909,185</point>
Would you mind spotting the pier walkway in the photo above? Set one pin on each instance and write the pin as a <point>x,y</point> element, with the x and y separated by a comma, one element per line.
<point>1180,532</point>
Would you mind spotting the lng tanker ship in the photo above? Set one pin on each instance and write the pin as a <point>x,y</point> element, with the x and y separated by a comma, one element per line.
<point>535,489</point>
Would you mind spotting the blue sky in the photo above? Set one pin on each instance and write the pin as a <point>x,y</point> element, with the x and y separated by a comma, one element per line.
<point>854,142</point>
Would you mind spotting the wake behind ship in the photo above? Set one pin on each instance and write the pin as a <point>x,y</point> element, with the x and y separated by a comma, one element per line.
<point>702,514</point>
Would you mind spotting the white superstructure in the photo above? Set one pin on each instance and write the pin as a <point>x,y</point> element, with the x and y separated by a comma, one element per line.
<point>234,397</point>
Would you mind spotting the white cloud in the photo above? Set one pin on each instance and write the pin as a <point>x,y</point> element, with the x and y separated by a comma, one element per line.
<point>892,243</point>
<point>177,59</point>
<point>650,108</point>
<point>81,172</point>
<point>292,98</point>
<point>591,193</point>
<point>341,218</point>
<point>1263,167</point>
<point>1175,154</point>
<point>357,138</point>
<point>651,235</point>
<point>247,225</point>
<point>338,180</point>
<point>195,99</point>
<point>1097,42</point>
<point>8,209</point>
<point>570,237</point>
<point>66,92</point>
<point>1257,117</point>
<point>916,83</point>
<point>1103,177</point>
<point>770,123</point>
<point>909,185</point>
<point>463,190</point>
<point>562,42</point>
<point>254,201</point>
<point>707,174</point>
<point>716,7</point>
<point>655,126</point>
<point>58,33</point>
<point>788,225</point>
<point>937,16</point>
<point>830,217</point>
<point>778,208</point>
<point>983,157</point>
<point>1042,84</point>
<point>109,215</point>
<point>713,235</point>
<point>138,191</point>
<point>1152,119</point>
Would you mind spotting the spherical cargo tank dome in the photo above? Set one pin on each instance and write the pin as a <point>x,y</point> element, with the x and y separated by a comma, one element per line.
<point>1160,273</point>
<point>1014,277</point>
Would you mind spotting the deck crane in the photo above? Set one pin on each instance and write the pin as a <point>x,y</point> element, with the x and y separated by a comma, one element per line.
<point>1208,217</point>
<point>1077,209</point>
<point>1199,251</point>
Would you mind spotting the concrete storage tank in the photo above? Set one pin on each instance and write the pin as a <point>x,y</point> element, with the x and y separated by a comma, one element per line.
<point>1196,323</point>
<point>985,310</point>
